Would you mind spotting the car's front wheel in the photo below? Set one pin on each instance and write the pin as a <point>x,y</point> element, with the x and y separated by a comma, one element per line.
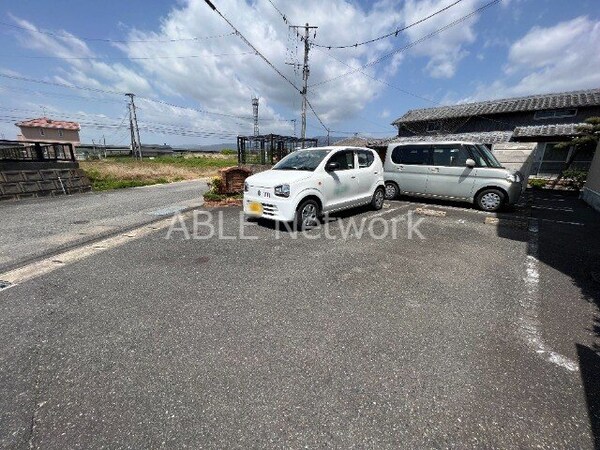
<point>490,200</point>
<point>307,214</point>
<point>391,190</point>
<point>378,198</point>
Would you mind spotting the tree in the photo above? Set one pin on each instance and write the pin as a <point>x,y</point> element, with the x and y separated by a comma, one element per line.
<point>587,139</point>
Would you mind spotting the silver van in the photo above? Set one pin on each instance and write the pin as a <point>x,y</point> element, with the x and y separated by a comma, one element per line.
<point>459,171</point>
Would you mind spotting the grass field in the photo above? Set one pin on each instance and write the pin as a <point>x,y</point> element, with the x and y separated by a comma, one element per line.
<point>124,172</point>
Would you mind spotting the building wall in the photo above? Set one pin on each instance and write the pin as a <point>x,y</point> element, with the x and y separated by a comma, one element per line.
<point>494,122</point>
<point>517,156</point>
<point>50,135</point>
<point>591,191</point>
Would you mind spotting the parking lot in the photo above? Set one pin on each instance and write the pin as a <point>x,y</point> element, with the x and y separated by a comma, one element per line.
<point>462,329</point>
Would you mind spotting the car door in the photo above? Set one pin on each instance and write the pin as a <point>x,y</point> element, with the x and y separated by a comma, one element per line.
<point>368,173</point>
<point>449,177</point>
<point>410,167</point>
<point>340,187</point>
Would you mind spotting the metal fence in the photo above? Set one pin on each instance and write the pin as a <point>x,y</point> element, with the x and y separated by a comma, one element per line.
<point>36,152</point>
<point>269,148</point>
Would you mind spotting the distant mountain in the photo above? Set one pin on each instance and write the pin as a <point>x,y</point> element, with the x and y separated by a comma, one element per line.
<point>205,148</point>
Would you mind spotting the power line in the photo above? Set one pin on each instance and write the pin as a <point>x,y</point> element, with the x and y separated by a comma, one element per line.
<point>316,115</point>
<point>393,33</point>
<point>104,91</point>
<point>247,42</point>
<point>58,35</point>
<point>408,46</point>
<point>123,57</point>
<point>359,69</point>
<point>283,16</point>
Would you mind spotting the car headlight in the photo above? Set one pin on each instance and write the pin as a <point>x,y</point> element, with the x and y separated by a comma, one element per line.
<point>514,178</point>
<point>246,186</point>
<point>283,190</point>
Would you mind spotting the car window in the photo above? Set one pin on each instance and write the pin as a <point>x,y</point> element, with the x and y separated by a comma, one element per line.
<point>344,158</point>
<point>450,155</point>
<point>411,154</point>
<point>489,156</point>
<point>478,157</point>
<point>365,158</point>
<point>302,160</point>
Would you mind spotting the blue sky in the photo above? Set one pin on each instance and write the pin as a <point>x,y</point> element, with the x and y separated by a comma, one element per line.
<point>512,48</point>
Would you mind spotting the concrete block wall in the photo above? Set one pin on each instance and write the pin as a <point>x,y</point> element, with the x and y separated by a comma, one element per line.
<point>19,184</point>
<point>516,155</point>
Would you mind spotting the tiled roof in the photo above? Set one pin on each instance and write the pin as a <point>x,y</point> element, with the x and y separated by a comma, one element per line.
<point>487,137</point>
<point>574,99</point>
<point>44,122</point>
<point>567,129</point>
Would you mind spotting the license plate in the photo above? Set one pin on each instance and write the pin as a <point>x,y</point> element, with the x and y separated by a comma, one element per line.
<point>255,208</point>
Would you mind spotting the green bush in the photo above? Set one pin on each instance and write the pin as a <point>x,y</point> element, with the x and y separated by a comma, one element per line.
<point>537,183</point>
<point>213,196</point>
<point>575,178</point>
<point>215,184</point>
<point>228,151</point>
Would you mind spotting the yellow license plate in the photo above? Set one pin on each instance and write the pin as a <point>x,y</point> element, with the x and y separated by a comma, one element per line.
<point>255,208</point>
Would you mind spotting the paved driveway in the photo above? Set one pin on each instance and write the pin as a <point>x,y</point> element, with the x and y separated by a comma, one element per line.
<point>34,227</point>
<point>475,336</point>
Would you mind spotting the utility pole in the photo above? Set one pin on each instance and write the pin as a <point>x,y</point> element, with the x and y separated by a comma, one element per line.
<point>136,144</point>
<point>305,73</point>
<point>255,115</point>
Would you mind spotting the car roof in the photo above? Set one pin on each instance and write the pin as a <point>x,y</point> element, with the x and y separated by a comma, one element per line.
<point>433,143</point>
<point>336,147</point>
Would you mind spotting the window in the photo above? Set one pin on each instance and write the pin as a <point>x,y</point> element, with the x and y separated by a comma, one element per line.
<point>365,158</point>
<point>555,113</point>
<point>302,160</point>
<point>42,132</point>
<point>489,156</point>
<point>477,156</point>
<point>411,154</point>
<point>434,126</point>
<point>344,158</point>
<point>60,133</point>
<point>553,160</point>
<point>450,155</point>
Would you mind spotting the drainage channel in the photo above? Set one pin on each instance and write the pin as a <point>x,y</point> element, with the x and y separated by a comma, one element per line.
<point>4,285</point>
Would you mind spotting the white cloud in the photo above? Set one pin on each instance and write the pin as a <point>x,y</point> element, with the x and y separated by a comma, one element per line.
<point>563,57</point>
<point>445,50</point>
<point>223,78</point>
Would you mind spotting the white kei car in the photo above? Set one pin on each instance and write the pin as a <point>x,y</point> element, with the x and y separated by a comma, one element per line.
<point>309,182</point>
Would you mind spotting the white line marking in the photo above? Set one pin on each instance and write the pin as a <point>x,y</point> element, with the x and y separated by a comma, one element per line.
<point>47,265</point>
<point>552,208</point>
<point>530,324</point>
<point>564,222</point>
<point>388,211</point>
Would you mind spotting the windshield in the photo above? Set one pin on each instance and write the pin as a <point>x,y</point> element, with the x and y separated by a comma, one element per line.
<point>302,160</point>
<point>488,155</point>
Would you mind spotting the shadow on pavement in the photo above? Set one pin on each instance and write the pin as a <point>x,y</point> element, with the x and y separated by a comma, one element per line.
<point>589,363</point>
<point>568,240</point>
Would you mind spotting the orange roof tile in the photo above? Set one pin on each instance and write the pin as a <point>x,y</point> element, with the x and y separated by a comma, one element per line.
<point>44,122</point>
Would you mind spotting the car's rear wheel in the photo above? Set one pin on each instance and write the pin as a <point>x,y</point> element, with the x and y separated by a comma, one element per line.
<point>307,214</point>
<point>391,190</point>
<point>490,200</point>
<point>378,198</point>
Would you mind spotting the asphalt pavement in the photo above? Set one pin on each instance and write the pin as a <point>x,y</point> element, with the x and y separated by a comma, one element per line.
<point>478,335</point>
<point>35,227</point>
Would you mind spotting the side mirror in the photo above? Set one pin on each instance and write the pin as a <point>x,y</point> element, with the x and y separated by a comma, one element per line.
<point>470,163</point>
<point>331,166</point>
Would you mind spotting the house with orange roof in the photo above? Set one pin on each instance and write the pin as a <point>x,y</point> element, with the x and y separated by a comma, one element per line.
<point>48,130</point>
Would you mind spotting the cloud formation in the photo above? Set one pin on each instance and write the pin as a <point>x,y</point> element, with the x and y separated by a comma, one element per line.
<point>562,57</point>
